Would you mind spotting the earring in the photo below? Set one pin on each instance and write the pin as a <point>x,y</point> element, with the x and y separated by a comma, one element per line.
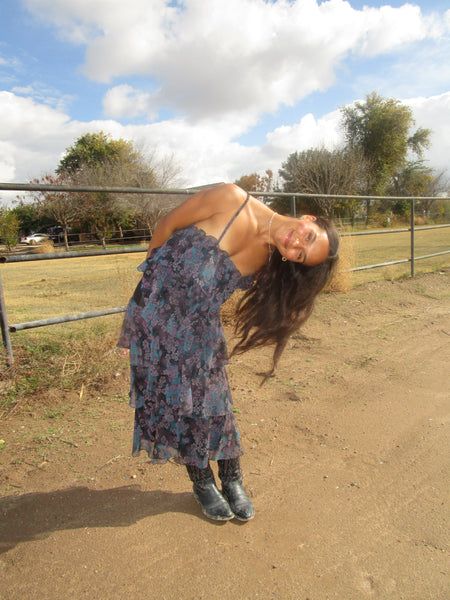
<point>284,259</point>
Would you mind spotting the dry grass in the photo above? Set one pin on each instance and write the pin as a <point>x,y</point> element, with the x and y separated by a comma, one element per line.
<point>43,247</point>
<point>342,279</point>
<point>228,309</point>
<point>380,248</point>
<point>60,360</point>
<point>69,356</point>
<point>42,289</point>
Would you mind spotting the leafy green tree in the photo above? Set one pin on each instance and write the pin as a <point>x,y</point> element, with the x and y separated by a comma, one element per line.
<point>382,129</point>
<point>9,227</point>
<point>91,150</point>
<point>31,219</point>
<point>413,179</point>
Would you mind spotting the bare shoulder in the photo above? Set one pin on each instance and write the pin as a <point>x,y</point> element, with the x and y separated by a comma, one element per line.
<point>225,196</point>
<point>207,204</point>
<point>209,209</point>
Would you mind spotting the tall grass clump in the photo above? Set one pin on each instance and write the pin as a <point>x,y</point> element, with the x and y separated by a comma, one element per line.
<point>43,247</point>
<point>46,366</point>
<point>342,279</point>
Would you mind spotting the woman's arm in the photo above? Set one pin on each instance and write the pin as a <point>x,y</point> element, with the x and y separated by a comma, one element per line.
<point>199,207</point>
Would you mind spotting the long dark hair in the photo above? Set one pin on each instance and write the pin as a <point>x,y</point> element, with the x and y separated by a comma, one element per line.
<point>282,299</point>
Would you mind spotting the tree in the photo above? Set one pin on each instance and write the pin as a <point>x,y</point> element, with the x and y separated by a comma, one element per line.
<point>149,208</point>
<point>255,182</point>
<point>95,159</point>
<point>63,208</point>
<point>439,186</point>
<point>9,227</point>
<point>322,171</point>
<point>416,179</point>
<point>92,149</point>
<point>381,129</point>
<point>30,216</point>
<point>102,210</point>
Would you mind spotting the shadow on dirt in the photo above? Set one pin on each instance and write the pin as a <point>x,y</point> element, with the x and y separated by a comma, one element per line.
<point>34,516</point>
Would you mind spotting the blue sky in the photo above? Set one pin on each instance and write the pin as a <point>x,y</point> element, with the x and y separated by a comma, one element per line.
<point>221,88</point>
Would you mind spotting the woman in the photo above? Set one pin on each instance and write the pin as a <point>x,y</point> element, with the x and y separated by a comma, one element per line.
<point>217,241</point>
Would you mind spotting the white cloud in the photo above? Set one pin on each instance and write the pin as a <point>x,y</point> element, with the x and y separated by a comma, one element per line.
<point>44,94</point>
<point>385,28</point>
<point>7,162</point>
<point>123,100</point>
<point>34,136</point>
<point>308,133</point>
<point>74,21</point>
<point>226,57</point>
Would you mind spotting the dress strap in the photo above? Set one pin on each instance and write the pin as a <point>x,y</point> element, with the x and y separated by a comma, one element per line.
<point>234,216</point>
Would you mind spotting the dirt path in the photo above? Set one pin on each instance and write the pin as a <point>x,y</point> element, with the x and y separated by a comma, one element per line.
<point>346,458</point>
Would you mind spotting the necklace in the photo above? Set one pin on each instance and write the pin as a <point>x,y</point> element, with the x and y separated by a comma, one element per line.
<point>270,225</point>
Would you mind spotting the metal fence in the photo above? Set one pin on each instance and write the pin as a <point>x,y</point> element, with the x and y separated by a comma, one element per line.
<point>11,328</point>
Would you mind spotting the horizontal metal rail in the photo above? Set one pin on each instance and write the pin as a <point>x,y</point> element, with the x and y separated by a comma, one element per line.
<point>44,187</point>
<point>12,258</point>
<point>398,262</point>
<point>431,255</point>
<point>110,311</point>
<point>66,318</point>
<point>400,230</point>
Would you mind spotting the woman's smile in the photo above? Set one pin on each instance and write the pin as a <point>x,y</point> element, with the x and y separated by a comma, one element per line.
<point>288,239</point>
<point>305,243</point>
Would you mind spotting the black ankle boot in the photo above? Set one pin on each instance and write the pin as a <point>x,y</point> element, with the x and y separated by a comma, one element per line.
<point>231,475</point>
<point>213,504</point>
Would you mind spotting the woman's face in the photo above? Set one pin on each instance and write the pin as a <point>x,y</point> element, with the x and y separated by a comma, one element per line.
<point>303,241</point>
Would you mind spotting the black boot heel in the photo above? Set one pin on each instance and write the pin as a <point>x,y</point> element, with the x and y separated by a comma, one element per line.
<point>238,500</point>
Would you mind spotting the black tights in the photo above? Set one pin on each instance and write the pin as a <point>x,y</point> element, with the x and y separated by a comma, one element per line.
<point>229,470</point>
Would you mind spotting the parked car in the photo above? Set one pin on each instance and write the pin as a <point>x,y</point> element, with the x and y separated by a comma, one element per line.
<point>57,234</point>
<point>35,238</point>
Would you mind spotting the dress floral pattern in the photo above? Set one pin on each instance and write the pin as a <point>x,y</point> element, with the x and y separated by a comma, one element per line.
<point>179,385</point>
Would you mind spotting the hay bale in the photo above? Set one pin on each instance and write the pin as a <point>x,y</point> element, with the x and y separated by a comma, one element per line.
<point>342,279</point>
<point>43,247</point>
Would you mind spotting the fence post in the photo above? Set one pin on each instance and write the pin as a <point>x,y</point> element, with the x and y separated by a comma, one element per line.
<point>413,266</point>
<point>293,207</point>
<point>4,327</point>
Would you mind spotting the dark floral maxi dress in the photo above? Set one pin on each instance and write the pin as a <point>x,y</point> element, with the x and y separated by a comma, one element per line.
<point>178,353</point>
